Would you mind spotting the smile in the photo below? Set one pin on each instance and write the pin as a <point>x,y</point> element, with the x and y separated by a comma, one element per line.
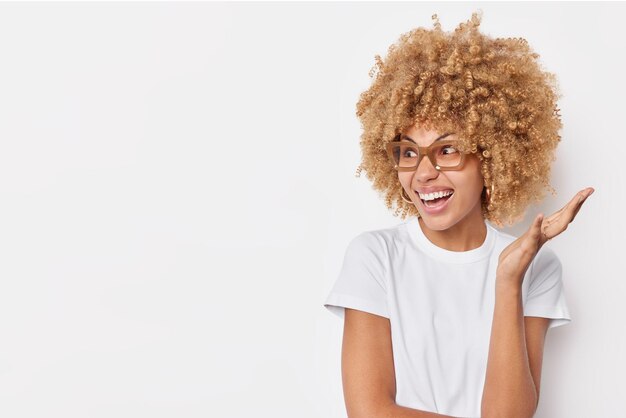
<point>436,195</point>
<point>434,203</point>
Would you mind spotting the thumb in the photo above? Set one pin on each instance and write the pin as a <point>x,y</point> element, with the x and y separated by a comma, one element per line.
<point>536,226</point>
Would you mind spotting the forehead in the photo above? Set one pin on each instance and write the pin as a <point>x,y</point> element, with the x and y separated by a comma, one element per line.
<point>424,136</point>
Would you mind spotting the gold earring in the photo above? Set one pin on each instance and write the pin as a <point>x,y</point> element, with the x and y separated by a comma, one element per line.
<point>406,199</point>
<point>489,193</point>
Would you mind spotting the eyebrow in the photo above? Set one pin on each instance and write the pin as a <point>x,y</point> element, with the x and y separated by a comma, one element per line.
<point>411,139</point>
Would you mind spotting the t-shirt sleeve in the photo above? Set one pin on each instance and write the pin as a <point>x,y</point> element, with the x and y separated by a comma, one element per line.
<point>546,295</point>
<point>361,283</point>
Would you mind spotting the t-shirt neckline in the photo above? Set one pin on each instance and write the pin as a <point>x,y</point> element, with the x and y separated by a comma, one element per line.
<point>470,256</point>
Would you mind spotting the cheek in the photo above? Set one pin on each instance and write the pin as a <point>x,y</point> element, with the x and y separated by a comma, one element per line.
<point>472,169</point>
<point>405,179</point>
<point>470,180</point>
<point>475,181</point>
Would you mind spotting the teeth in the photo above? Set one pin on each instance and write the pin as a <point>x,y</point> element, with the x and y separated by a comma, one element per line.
<point>431,196</point>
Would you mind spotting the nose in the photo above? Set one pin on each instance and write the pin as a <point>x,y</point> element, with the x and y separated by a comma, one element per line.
<point>425,170</point>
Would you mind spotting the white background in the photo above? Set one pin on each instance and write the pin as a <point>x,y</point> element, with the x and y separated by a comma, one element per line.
<point>177,191</point>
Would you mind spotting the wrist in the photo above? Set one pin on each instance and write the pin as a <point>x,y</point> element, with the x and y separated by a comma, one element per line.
<point>508,284</point>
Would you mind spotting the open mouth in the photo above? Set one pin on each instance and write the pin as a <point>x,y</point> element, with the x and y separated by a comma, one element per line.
<point>435,200</point>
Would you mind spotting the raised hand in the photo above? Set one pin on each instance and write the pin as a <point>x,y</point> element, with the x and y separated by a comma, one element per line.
<point>515,259</point>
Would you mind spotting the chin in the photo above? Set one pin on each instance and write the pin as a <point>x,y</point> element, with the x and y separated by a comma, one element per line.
<point>436,224</point>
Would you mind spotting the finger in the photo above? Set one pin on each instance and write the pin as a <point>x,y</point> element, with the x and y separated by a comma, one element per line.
<point>542,229</point>
<point>549,220</point>
<point>538,220</point>
<point>559,221</point>
<point>581,200</point>
<point>574,200</point>
<point>534,239</point>
<point>548,230</point>
<point>536,226</point>
<point>578,197</point>
<point>572,208</point>
<point>552,226</point>
<point>580,205</point>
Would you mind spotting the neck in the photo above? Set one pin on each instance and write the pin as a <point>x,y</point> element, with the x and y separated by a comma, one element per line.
<point>466,235</point>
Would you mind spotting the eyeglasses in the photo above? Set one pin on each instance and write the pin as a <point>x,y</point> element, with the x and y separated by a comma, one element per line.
<point>444,155</point>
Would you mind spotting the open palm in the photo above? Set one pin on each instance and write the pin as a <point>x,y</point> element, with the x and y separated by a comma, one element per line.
<point>515,259</point>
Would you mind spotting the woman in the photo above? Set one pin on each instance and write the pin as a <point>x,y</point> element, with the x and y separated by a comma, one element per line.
<point>445,315</point>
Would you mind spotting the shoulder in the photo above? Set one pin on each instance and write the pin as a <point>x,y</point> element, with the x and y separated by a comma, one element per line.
<point>378,239</point>
<point>376,247</point>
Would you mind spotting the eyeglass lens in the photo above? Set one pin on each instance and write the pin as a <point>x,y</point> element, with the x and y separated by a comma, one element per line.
<point>407,155</point>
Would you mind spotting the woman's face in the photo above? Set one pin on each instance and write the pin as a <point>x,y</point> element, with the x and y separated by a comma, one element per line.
<point>463,206</point>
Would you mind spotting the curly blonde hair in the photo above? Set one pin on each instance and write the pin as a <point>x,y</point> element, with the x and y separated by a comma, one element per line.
<point>491,92</point>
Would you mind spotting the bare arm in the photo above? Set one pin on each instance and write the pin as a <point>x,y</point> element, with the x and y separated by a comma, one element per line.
<point>368,374</point>
<point>509,389</point>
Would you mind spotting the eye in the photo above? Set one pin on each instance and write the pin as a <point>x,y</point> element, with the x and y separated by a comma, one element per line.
<point>448,149</point>
<point>410,153</point>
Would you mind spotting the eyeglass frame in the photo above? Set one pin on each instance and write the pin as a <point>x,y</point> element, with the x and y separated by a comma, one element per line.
<point>424,151</point>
